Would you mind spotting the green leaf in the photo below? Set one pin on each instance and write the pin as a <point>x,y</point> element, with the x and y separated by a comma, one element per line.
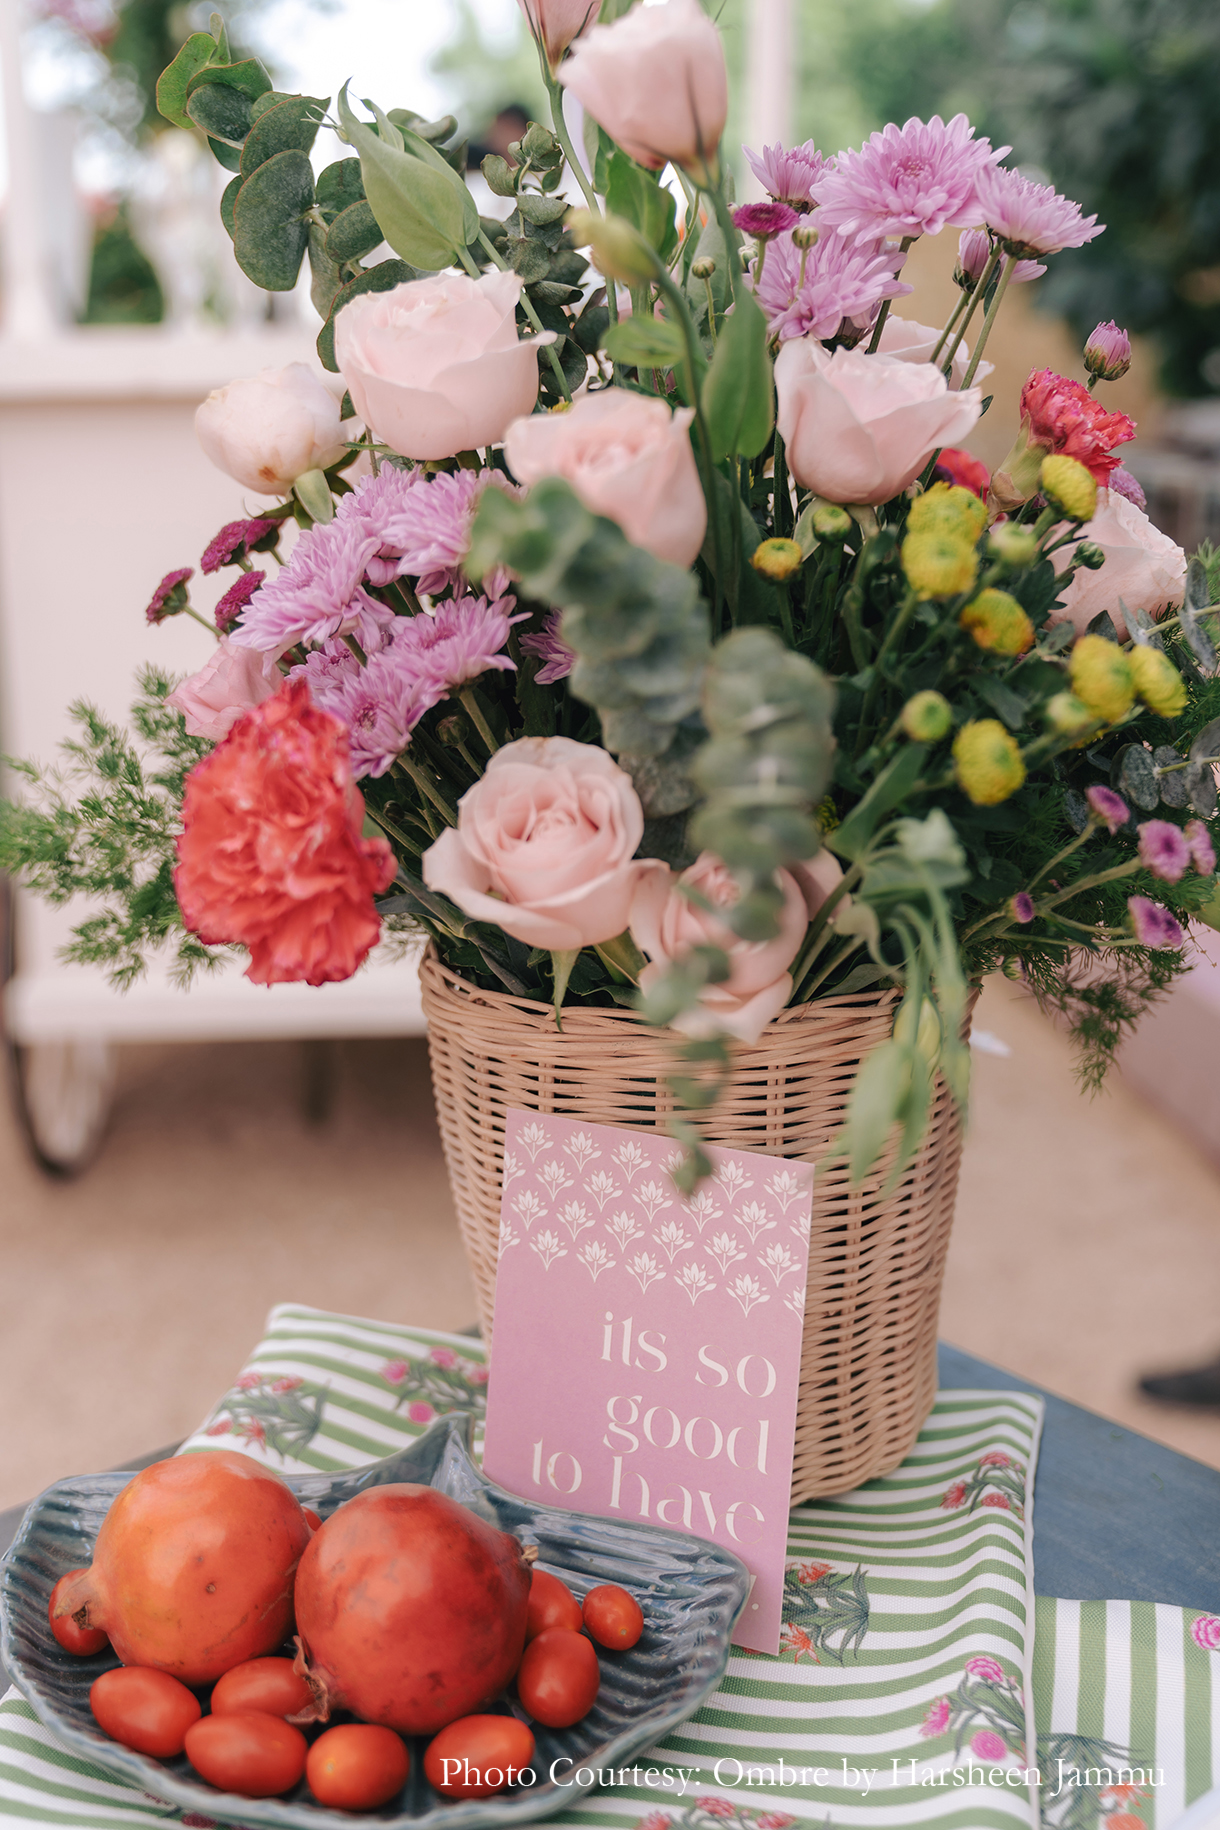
<point>248,78</point>
<point>198,53</point>
<point>325,279</point>
<point>645,343</point>
<point>879,1100</point>
<point>227,202</point>
<point>381,278</point>
<point>562,962</point>
<point>354,233</point>
<point>542,211</point>
<point>312,491</point>
<point>890,788</point>
<point>339,185</point>
<point>425,211</point>
<point>291,126</point>
<point>270,234</point>
<point>223,113</point>
<point>636,194</point>
<point>738,394</point>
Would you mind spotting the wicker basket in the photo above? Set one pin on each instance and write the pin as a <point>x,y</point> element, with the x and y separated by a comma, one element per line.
<point>868,1364</point>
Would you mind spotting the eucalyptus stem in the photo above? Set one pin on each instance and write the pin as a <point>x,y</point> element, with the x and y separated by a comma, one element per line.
<point>1006,274</point>
<point>471,706</point>
<point>527,306</point>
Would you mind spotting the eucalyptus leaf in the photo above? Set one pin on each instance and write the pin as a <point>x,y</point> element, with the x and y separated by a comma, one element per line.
<point>500,175</point>
<point>1201,788</point>
<point>1103,624</point>
<point>354,233</point>
<point>1197,639</point>
<point>339,185</point>
<point>1173,785</point>
<point>639,196</point>
<point>1197,595</point>
<point>292,125</point>
<point>248,77</point>
<point>1133,775</point>
<point>227,201</point>
<point>326,281</point>
<point>542,210</point>
<point>198,53</point>
<point>222,113</point>
<point>1143,629</point>
<point>1206,746</point>
<point>270,234</point>
<point>1076,810</point>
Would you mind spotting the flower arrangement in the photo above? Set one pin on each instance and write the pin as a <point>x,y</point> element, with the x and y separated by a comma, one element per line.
<point>683,657</point>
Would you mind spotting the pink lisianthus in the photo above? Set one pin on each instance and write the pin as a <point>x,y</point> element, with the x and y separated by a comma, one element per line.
<point>267,429</point>
<point>627,457</point>
<point>1144,568</point>
<point>667,924</point>
<point>1028,218</point>
<point>555,23</point>
<point>937,1719</point>
<point>859,428</point>
<point>912,342</point>
<point>230,683</point>
<point>813,292</point>
<point>545,845</point>
<point>988,1670</point>
<point>789,175</point>
<point>911,180</point>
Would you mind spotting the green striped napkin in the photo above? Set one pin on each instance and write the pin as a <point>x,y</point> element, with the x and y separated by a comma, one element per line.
<point>899,1698</point>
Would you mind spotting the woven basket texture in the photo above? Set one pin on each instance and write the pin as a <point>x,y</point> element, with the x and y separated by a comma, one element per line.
<point>868,1364</point>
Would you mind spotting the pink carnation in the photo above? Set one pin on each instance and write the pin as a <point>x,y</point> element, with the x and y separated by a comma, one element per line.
<point>419,1412</point>
<point>936,1721</point>
<point>987,1670</point>
<point>1000,1501</point>
<point>717,1807</point>
<point>810,292</point>
<point>1206,1632</point>
<point>789,176</point>
<point>909,181</point>
<point>443,1356</point>
<point>1030,218</point>
<point>954,1496</point>
<point>395,1371</point>
<point>995,1458</point>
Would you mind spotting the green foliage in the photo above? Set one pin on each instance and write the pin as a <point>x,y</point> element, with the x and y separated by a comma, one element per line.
<point>123,284</point>
<point>105,825</point>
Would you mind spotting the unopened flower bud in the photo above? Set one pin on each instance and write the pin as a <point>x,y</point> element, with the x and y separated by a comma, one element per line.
<point>777,559</point>
<point>950,508</point>
<point>619,251</point>
<point>938,563</point>
<point>826,814</point>
<point>988,762</point>
<point>1068,715</point>
<point>1021,907</point>
<point>1012,543</point>
<point>1157,681</point>
<point>998,623</point>
<point>703,268</point>
<point>451,731</point>
<point>1107,354</point>
<point>830,522</point>
<point>804,237</point>
<point>924,1031</point>
<point>1090,555</point>
<point>1067,485</point>
<point>973,253</point>
<point>927,717</point>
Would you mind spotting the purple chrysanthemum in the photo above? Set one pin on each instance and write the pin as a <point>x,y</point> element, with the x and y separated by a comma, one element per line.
<point>840,281</point>
<point>319,593</point>
<point>462,638</point>
<point>235,539</point>
<point>1154,926</point>
<point>421,525</point>
<point>1030,218</point>
<point>1164,850</point>
<point>763,220</point>
<point>1202,851</point>
<point>973,252</point>
<point>1107,807</point>
<point>557,658</point>
<point>380,703</point>
<point>1123,483</point>
<point>789,174</point>
<point>910,180</point>
<point>236,598</point>
<point>1022,906</point>
<point>169,598</point>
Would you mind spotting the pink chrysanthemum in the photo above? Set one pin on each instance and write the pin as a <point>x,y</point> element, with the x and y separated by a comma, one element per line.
<point>1123,483</point>
<point>380,703</point>
<point>318,594</point>
<point>1110,808</point>
<point>1030,218</point>
<point>840,282</point>
<point>910,180</point>
<point>421,525</point>
<point>994,1458</point>
<point>234,539</point>
<point>1107,354</point>
<point>557,658</point>
<point>1164,850</point>
<point>973,253</point>
<point>763,220</point>
<point>169,597</point>
<point>1154,926</point>
<point>1202,851</point>
<point>236,598</point>
<point>463,638</point>
<point>789,174</point>
<point>936,1721</point>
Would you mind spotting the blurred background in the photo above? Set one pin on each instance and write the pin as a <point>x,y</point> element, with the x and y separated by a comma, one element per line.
<point>172,1162</point>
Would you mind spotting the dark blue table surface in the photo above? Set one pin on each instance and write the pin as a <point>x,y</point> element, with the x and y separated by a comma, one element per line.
<point>1115,1515</point>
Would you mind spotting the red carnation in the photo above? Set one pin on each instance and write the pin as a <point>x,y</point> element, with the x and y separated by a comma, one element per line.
<point>954,466</point>
<point>271,853</point>
<point>1064,417</point>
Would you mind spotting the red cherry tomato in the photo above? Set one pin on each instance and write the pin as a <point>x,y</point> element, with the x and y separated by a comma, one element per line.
<point>144,1709</point>
<point>551,1604</point>
<point>612,1617</point>
<point>357,1767</point>
<point>478,1756</point>
<point>269,1685</point>
<point>311,1516</point>
<point>68,1631</point>
<point>558,1677</point>
<point>252,1754</point>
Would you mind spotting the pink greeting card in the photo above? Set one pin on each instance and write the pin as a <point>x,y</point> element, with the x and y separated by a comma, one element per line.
<point>647,1344</point>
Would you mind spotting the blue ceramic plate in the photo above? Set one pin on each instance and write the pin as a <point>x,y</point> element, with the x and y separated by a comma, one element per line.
<point>691,1593</point>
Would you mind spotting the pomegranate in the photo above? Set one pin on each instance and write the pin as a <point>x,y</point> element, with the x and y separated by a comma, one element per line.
<point>410,1610</point>
<point>193,1567</point>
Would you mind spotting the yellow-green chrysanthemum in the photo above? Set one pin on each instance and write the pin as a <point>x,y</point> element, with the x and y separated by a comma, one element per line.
<point>938,563</point>
<point>1066,484</point>
<point>927,717</point>
<point>998,623</point>
<point>1015,545</point>
<point>1157,681</point>
<point>988,762</point>
<point>776,559</point>
<point>1069,715</point>
<point>1101,676</point>
<point>950,509</point>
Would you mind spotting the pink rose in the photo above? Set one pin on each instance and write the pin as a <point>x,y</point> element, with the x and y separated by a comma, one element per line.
<point>988,1670</point>
<point>419,1412</point>
<point>1143,567</point>
<point>555,23</point>
<point>655,80</point>
<point>628,458</point>
<point>435,366</point>
<point>666,926</point>
<point>860,428</point>
<point>395,1371</point>
<point>995,1458</point>
<point>544,845</point>
<point>230,683</point>
<point>988,1745</point>
<point>443,1356</point>
<point>268,429</point>
<point>912,342</point>
<point>1206,1632</point>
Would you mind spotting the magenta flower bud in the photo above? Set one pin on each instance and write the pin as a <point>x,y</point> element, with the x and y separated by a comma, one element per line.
<point>170,595</point>
<point>1164,850</point>
<point>1107,354</point>
<point>1108,808</point>
<point>1154,926</point>
<point>1022,906</point>
<point>973,252</point>
<point>1202,851</point>
<point>763,220</point>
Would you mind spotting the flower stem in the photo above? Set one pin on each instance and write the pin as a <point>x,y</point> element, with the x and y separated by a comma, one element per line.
<point>527,306</point>
<point>962,302</point>
<point>426,787</point>
<point>203,622</point>
<point>1009,269</point>
<point>884,313</point>
<point>475,715</point>
<point>993,261</point>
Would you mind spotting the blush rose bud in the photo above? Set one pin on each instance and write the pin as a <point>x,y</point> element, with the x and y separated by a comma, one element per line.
<point>1107,354</point>
<point>267,430</point>
<point>619,251</point>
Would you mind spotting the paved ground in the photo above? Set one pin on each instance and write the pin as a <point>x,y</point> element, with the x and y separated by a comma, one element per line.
<point>1087,1245</point>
